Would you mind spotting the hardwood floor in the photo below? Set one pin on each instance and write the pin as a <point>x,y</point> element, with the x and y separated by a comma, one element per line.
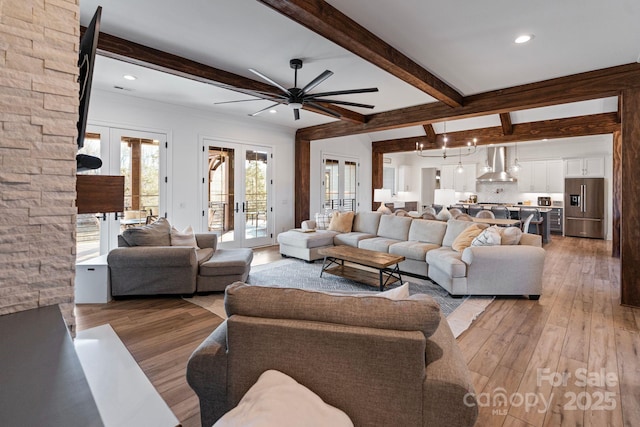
<point>516,348</point>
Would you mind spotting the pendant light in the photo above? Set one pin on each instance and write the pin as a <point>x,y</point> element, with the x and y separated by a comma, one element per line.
<point>459,168</point>
<point>516,164</point>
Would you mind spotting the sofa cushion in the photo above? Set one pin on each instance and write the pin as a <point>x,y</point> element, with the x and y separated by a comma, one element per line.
<point>367,222</point>
<point>204,254</point>
<point>314,239</point>
<point>394,227</point>
<point>156,234</point>
<point>488,237</point>
<point>276,399</point>
<point>417,313</point>
<point>427,231</point>
<point>351,239</point>
<point>455,227</point>
<point>465,238</point>
<point>225,262</point>
<point>510,235</point>
<point>341,222</point>
<point>380,244</point>
<point>412,249</point>
<point>323,220</point>
<point>448,261</point>
<point>185,237</point>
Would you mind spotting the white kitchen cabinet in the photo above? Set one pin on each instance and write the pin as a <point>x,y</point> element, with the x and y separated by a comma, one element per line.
<point>464,182</point>
<point>588,167</point>
<point>541,176</point>
<point>555,176</point>
<point>447,174</point>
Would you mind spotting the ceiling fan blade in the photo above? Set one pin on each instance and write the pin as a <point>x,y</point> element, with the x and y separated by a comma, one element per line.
<point>264,109</point>
<point>296,114</point>
<point>352,104</point>
<point>246,100</point>
<point>315,82</point>
<point>343,92</point>
<point>256,93</point>
<point>321,108</point>
<point>262,76</point>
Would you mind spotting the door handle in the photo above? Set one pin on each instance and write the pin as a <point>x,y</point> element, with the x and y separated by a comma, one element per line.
<point>584,199</point>
<point>236,210</point>
<point>243,207</point>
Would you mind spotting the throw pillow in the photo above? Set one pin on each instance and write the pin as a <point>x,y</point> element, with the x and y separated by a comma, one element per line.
<point>276,399</point>
<point>401,292</point>
<point>322,220</point>
<point>511,235</point>
<point>489,237</point>
<point>341,222</point>
<point>444,215</point>
<point>465,238</point>
<point>156,234</point>
<point>183,238</point>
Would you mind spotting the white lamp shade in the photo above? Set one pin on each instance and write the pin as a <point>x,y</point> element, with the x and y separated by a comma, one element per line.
<point>381,195</point>
<point>444,197</point>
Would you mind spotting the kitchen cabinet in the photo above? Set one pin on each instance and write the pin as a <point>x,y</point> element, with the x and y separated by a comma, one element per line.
<point>464,182</point>
<point>541,176</point>
<point>588,167</point>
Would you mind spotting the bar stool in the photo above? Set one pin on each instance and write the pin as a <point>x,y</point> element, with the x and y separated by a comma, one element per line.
<point>473,210</point>
<point>537,218</point>
<point>500,212</point>
<point>485,214</point>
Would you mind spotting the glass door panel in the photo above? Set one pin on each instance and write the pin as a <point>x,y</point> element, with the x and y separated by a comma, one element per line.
<point>340,182</point>
<point>238,194</point>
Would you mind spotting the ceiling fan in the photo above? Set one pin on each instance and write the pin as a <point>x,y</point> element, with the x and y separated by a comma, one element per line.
<point>296,98</point>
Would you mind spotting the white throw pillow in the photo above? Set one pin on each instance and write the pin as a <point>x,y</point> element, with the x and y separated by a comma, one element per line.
<point>276,399</point>
<point>399,293</point>
<point>489,237</point>
<point>323,220</point>
<point>185,237</point>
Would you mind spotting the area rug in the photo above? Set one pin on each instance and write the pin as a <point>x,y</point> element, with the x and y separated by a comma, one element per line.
<point>294,273</point>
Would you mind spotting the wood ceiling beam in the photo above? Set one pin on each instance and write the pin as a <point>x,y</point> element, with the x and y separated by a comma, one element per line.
<point>327,21</point>
<point>505,121</point>
<point>594,124</point>
<point>345,114</point>
<point>578,87</point>
<point>430,132</point>
<point>144,56</point>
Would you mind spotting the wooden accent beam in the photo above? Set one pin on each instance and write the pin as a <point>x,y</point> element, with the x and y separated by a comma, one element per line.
<point>617,194</point>
<point>595,124</point>
<point>327,21</point>
<point>430,132</point>
<point>630,182</point>
<point>505,121</point>
<point>377,167</point>
<point>144,56</point>
<point>578,87</point>
<point>302,187</point>
<point>345,114</point>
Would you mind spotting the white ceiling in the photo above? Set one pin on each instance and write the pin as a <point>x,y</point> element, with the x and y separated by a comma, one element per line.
<point>468,44</point>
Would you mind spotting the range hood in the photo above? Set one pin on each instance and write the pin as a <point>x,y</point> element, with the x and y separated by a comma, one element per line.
<point>497,159</point>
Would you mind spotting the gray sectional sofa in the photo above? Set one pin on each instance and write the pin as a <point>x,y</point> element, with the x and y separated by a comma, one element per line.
<point>426,246</point>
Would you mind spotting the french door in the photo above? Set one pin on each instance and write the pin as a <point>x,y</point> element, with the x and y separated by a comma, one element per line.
<point>141,158</point>
<point>237,193</point>
<point>339,183</point>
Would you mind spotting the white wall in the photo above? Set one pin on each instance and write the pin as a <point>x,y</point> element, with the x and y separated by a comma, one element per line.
<point>185,129</point>
<point>599,145</point>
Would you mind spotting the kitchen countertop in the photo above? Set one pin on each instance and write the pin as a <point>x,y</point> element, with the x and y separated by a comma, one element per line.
<point>510,206</point>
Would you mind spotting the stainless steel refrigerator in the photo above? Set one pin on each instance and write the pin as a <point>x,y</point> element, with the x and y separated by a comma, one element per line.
<point>584,207</point>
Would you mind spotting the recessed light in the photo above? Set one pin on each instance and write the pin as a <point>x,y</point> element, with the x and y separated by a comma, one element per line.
<point>524,38</point>
<point>129,77</point>
<point>272,111</point>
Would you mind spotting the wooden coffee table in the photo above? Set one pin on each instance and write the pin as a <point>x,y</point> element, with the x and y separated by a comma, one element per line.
<point>335,257</point>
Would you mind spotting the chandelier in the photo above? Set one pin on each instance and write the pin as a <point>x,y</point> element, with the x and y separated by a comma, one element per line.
<point>471,147</point>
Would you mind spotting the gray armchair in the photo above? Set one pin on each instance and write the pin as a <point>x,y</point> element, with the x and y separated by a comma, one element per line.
<point>145,263</point>
<point>381,361</point>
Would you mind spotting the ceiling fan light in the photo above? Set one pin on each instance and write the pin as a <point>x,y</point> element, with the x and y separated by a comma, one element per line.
<point>295,105</point>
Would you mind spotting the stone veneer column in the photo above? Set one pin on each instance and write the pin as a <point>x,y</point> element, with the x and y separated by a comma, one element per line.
<point>38,114</point>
